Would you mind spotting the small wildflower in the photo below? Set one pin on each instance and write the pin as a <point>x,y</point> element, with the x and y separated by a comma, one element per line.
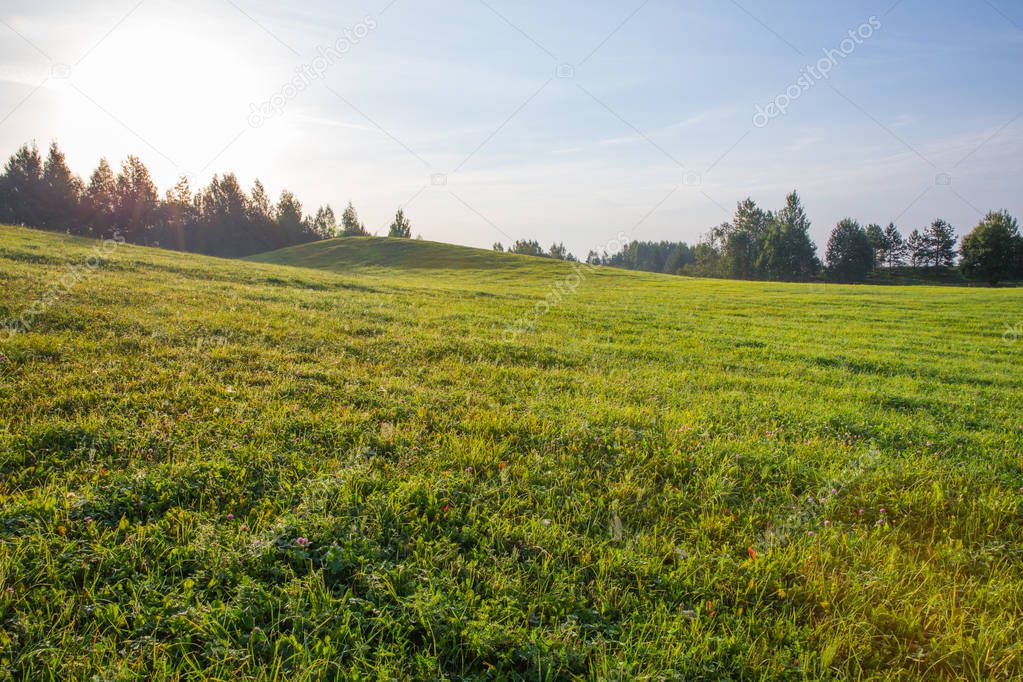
<point>882,510</point>
<point>447,508</point>
<point>826,522</point>
<point>759,500</point>
<point>809,533</point>
<point>245,527</point>
<point>752,552</point>
<point>230,517</point>
<point>861,512</point>
<point>302,541</point>
<point>88,519</point>
<point>255,542</point>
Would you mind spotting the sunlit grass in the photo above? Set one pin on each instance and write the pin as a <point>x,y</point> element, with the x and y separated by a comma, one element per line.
<point>623,493</point>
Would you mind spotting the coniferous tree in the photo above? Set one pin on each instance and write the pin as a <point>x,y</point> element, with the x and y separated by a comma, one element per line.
<point>351,226</point>
<point>401,227</point>
<point>223,219</point>
<point>664,257</point>
<point>62,194</point>
<point>100,203</point>
<point>527,247</point>
<point>136,201</point>
<point>786,252</point>
<point>895,245</point>
<point>177,216</point>
<point>325,223</point>
<point>740,239</point>
<point>917,248</point>
<point>559,252</point>
<point>879,244</point>
<point>941,240</point>
<point>260,214</point>
<point>22,192</point>
<point>289,219</point>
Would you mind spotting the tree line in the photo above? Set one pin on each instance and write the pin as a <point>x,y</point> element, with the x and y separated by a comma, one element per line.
<point>761,244</point>
<point>531,247</point>
<point>220,219</point>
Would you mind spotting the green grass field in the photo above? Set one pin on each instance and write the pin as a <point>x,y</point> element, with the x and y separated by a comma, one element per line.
<point>338,463</point>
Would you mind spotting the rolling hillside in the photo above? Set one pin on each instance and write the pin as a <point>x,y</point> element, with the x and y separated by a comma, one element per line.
<point>403,254</point>
<point>376,458</point>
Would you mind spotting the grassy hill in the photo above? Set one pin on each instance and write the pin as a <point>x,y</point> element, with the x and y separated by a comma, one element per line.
<point>404,254</point>
<point>368,466</point>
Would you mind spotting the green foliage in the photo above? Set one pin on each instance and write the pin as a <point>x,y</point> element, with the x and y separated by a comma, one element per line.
<point>220,220</point>
<point>136,203</point>
<point>878,244</point>
<point>351,226</point>
<point>850,253</point>
<point>401,228</point>
<point>527,247</point>
<point>235,470</point>
<point>62,192</point>
<point>22,192</point>
<point>895,249</point>
<point>991,251</point>
<point>741,240</point>
<point>785,251</point>
<point>941,244</point>
<point>100,201</point>
<point>325,223</point>
<point>665,257</point>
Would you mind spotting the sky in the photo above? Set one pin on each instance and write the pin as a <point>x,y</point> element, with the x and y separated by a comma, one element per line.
<point>578,122</point>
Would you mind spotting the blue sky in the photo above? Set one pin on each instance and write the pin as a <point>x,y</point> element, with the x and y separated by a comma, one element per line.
<point>575,122</point>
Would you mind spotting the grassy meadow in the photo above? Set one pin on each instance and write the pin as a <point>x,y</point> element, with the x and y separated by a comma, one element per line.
<point>335,462</point>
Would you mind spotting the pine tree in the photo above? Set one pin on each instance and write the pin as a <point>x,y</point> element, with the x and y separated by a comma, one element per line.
<point>177,216</point>
<point>325,223</point>
<point>22,192</point>
<point>786,251</point>
<point>261,219</point>
<point>559,252</point>
<point>941,244</point>
<point>918,249</point>
<point>100,203</point>
<point>62,194</point>
<point>897,249</point>
<point>223,218</point>
<point>288,217</point>
<point>137,200</point>
<point>401,227</point>
<point>878,243</point>
<point>350,224</point>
